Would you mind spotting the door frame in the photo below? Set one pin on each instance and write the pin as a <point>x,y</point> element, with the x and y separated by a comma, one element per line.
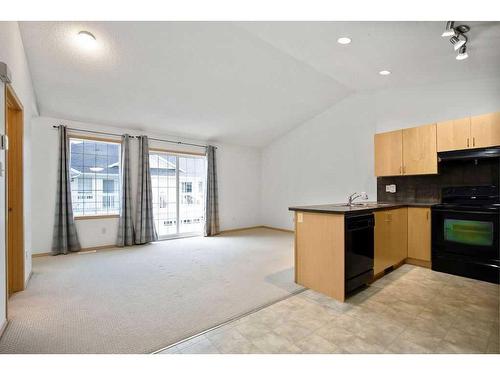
<point>178,154</point>
<point>14,168</point>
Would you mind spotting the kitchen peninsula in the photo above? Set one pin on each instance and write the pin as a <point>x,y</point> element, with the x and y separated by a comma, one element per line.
<point>340,247</point>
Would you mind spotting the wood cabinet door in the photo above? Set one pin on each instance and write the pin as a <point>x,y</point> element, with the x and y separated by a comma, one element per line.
<point>453,135</point>
<point>399,235</point>
<point>382,244</point>
<point>419,233</point>
<point>420,150</point>
<point>389,153</point>
<point>485,130</point>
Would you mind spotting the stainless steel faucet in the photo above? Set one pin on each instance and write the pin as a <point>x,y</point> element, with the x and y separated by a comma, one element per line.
<point>354,196</point>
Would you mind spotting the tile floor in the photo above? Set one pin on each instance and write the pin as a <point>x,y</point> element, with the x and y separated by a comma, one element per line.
<point>410,310</point>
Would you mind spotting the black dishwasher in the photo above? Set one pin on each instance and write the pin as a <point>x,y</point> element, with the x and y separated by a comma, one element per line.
<point>359,245</point>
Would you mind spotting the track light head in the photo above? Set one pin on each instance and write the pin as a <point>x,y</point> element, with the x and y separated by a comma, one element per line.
<point>449,30</point>
<point>462,53</point>
<point>457,42</point>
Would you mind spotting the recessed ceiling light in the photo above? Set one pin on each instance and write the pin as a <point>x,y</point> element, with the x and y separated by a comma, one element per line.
<point>384,72</point>
<point>344,40</point>
<point>86,39</point>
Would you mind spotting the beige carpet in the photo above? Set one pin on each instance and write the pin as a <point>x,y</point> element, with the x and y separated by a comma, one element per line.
<point>143,298</point>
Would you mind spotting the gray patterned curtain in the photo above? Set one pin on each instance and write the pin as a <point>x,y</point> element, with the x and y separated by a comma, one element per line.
<point>212,198</point>
<point>144,224</point>
<point>125,225</point>
<point>64,238</point>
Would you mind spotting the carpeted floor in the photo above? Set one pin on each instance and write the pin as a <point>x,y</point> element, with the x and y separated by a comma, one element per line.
<point>140,299</point>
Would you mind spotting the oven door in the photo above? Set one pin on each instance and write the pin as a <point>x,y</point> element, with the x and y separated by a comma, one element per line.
<point>465,232</point>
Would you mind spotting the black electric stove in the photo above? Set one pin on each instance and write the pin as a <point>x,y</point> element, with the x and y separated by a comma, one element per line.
<point>465,232</point>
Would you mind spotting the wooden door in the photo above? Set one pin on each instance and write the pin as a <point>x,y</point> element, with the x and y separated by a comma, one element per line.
<point>419,233</point>
<point>453,135</point>
<point>389,153</point>
<point>485,130</point>
<point>382,251</point>
<point>420,150</point>
<point>15,216</point>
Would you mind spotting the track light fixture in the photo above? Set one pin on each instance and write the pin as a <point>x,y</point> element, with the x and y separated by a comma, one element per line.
<point>462,53</point>
<point>449,31</point>
<point>457,42</point>
<point>458,38</point>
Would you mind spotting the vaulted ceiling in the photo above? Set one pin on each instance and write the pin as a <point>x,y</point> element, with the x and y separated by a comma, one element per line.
<point>238,82</point>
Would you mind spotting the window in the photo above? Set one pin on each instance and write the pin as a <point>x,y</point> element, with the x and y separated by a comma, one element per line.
<point>187,187</point>
<point>95,177</point>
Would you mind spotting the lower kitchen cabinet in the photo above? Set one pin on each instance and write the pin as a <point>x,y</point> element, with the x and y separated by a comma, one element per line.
<point>419,233</point>
<point>391,238</point>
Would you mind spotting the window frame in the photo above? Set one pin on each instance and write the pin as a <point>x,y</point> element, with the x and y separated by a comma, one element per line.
<point>71,136</point>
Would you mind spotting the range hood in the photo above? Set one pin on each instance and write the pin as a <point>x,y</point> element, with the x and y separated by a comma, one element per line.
<point>478,153</point>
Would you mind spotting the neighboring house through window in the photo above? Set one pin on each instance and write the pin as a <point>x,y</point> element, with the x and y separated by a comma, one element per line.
<point>95,177</point>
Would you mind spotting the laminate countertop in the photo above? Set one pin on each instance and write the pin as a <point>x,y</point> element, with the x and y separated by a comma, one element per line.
<point>342,208</point>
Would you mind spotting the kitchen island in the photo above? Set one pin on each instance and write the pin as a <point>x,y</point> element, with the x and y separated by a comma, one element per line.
<point>321,241</point>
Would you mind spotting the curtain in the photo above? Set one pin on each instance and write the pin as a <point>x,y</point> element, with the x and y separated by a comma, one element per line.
<point>211,199</point>
<point>65,238</point>
<point>125,225</point>
<point>144,224</point>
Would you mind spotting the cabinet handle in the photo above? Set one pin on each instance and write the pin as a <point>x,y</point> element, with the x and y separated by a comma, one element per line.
<point>427,215</point>
<point>467,142</point>
<point>473,141</point>
<point>400,170</point>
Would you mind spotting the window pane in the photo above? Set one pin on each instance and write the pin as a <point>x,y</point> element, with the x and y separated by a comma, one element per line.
<point>95,182</point>
<point>192,202</point>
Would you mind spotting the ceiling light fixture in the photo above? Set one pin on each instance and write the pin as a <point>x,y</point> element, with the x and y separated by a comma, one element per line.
<point>458,38</point>
<point>344,40</point>
<point>462,53</point>
<point>86,39</point>
<point>384,72</point>
<point>457,42</point>
<point>449,31</point>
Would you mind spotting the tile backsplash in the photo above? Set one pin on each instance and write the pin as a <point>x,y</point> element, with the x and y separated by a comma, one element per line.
<point>427,188</point>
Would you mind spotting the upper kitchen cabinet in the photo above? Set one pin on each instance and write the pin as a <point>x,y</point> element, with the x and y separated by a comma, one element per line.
<point>389,153</point>
<point>453,135</point>
<point>485,130</point>
<point>419,150</point>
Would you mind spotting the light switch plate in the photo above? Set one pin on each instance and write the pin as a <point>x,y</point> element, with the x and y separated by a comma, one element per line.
<point>300,217</point>
<point>390,188</point>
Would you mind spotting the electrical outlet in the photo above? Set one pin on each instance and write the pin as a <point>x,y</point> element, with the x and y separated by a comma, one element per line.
<point>390,188</point>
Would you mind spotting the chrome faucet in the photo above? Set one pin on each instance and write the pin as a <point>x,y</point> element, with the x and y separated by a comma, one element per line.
<point>354,196</point>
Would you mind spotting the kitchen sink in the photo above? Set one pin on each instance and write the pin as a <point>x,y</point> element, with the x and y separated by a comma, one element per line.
<point>367,204</point>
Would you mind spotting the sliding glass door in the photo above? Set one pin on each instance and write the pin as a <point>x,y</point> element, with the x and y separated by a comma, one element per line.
<point>178,183</point>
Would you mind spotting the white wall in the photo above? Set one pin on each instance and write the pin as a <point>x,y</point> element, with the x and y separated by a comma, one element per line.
<point>12,53</point>
<point>322,161</point>
<point>402,108</point>
<point>331,155</point>
<point>238,172</point>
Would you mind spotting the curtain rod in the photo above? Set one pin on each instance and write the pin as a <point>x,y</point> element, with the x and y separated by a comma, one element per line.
<point>134,136</point>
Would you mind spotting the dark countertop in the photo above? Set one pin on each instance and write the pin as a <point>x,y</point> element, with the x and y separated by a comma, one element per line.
<point>342,208</point>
